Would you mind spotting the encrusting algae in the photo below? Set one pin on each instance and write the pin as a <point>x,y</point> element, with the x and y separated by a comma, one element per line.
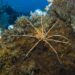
<point>41,46</point>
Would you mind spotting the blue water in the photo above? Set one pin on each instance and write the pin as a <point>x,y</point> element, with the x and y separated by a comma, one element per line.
<point>24,6</point>
<point>27,5</point>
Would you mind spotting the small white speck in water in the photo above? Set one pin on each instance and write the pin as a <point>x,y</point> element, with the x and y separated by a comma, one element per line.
<point>10,27</point>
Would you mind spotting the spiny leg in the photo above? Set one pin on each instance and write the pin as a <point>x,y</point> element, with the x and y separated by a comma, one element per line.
<point>24,36</point>
<point>58,36</point>
<point>58,41</point>
<point>53,50</point>
<point>42,25</point>
<point>32,25</point>
<point>45,28</point>
<point>51,28</point>
<point>32,48</point>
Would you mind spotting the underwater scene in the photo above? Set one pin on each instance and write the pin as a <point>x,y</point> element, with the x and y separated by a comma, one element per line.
<point>37,37</point>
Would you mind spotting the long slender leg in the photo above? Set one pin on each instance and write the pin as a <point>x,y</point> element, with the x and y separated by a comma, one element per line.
<point>24,36</point>
<point>45,28</point>
<point>59,36</point>
<point>53,50</point>
<point>32,48</point>
<point>51,28</point>
<point>59,41</point>
<point>42,24</point>
<point>32,25</point>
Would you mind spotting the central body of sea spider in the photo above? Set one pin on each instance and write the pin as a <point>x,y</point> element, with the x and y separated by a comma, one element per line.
<point>43,35</point>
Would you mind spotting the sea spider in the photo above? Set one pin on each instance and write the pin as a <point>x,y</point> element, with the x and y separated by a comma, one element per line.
<point>43,35</point>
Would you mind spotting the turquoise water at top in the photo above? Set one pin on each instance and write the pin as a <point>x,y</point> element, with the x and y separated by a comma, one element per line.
<point>8,15</point>
<point>27,5</point>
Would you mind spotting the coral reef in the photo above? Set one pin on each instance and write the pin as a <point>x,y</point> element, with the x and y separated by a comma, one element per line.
<point>64,10</point>
<point>43,45</point>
